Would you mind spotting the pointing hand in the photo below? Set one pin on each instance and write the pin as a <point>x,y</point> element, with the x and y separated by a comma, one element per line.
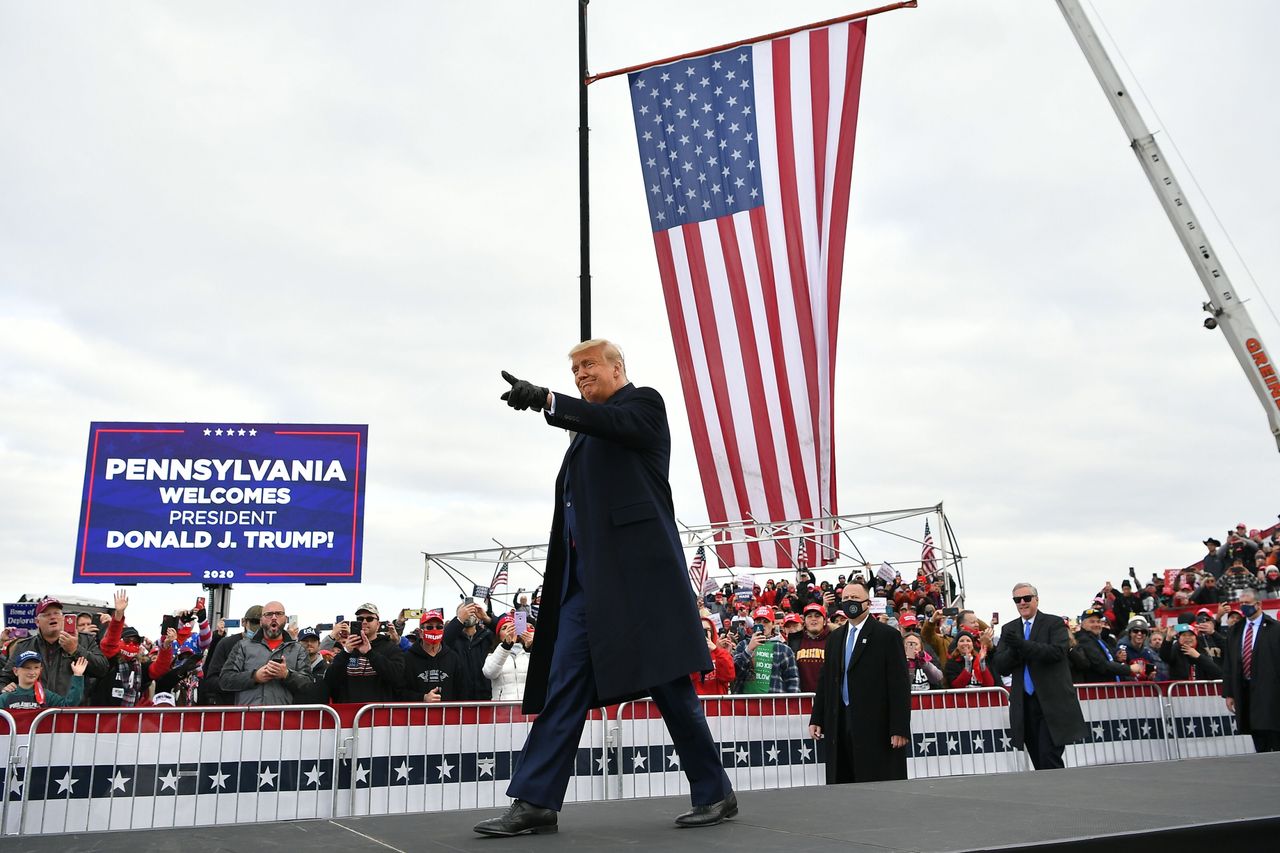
<point>524,395</point>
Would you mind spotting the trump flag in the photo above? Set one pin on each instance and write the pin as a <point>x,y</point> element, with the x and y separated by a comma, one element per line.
<point>747,155</point>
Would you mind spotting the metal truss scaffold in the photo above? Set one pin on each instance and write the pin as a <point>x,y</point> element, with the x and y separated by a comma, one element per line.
<point>845,540</point>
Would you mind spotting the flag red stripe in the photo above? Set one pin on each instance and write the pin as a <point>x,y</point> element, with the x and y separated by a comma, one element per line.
<point>793,232</point>
<point>840,209</point>
<point>764,264</point>
<point>754,376</point>
<point>691,386</point>
<point>715,366</point>
<point>819,99</point>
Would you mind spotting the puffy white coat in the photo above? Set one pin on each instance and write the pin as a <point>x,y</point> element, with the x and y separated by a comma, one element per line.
<point>507,671</point>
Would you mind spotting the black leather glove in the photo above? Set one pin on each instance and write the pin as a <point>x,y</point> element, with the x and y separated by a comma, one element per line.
<point>524,395</point>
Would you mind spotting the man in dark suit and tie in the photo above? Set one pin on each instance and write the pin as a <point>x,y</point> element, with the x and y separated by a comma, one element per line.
<point>613,552</point>
<point>862,708</point>
<point>1044,712</point>
<point>1251,674</point>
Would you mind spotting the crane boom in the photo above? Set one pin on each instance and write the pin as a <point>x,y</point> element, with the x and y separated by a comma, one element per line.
<point>1225,310</point>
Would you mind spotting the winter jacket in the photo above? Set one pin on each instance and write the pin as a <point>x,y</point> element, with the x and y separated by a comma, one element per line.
<point>473,651</point>
<point>719,680</point>
<point>211,690</point>
<point>1100,665</point>
<point>248,656</point>
<point>923,673</point>
<point>55,675</point>
<point>424,672</point>
<point>507,670</point>
<point>1183,667</point>
<point>23,698</point>
<point>367,677</point>
<point>956,676</point>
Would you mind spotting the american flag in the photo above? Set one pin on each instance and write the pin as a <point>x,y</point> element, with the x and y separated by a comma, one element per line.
<point>747,155</point>
<point>499,578</point>
<point>927,562</point>
<point>698,572</point>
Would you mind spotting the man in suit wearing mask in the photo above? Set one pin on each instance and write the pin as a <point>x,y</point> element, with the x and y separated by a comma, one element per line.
<point>862,708</point>
<point>1251,668</point>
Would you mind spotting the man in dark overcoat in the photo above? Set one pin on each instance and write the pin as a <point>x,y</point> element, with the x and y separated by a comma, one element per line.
<point>1253,692</point>
<point>1044,712</point>
<point>862,708</point>
<point>613,551</point>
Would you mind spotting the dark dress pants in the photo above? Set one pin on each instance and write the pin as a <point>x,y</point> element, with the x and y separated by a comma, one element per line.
<point>1045,755</point>
<point>551,750</point>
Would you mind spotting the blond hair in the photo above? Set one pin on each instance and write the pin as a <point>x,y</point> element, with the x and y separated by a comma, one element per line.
<point>611,351</point>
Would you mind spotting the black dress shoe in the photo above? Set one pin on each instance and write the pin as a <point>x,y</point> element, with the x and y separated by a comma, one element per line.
<point>712,814</point>
<point>519,819</point>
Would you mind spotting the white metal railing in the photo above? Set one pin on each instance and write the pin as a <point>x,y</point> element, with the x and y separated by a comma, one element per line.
<point>96,769</point>
<point>1201,724</point>
<point>414,757</point>
<point>1126,721</point>
<point>10,780</point>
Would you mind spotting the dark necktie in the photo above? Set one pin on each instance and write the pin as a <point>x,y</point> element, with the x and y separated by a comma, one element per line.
<point>1248,650</point>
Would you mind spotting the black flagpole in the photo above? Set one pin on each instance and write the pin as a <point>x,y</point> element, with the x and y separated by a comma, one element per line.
<point>584,191</point>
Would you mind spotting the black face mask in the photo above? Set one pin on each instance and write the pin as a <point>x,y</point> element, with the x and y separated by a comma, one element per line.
<point>853,609</point>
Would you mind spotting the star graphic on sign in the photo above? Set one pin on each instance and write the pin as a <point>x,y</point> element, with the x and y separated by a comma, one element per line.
<point>445,769</point>
<point>218,780</point>
<point>218,431</point>
<point>952,744</point>
<point>313,775</point>
<point>484,766</point>
<point>742,755</point>
<point>637,760</point>
<point>241,431</point>
<point>253,432</point>
<point>805,752</point>
<point>118,781</point>
<point>1123,731</point>
<point>673,760</point>
<point>1097,732</point>
<point>67,784</point>
<point>1146,729</point>
<point>402,772</point>
<point>208,431</point>
<point>169,780</point>
<point>267,777</point>
<point>362,773</point>
<point>773,753</point>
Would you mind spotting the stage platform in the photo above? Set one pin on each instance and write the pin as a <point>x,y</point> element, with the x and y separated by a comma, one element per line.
<point>1222,800</point>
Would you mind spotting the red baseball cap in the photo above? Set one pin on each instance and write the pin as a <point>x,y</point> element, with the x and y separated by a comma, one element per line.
<point>815,608</point>
<point>45,603</point>
<point>429,615</point>
<point>764,612</point>
<point>908,618</point>
<point>791,618</point>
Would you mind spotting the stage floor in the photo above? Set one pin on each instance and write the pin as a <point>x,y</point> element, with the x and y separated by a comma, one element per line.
<point>1219,799</point>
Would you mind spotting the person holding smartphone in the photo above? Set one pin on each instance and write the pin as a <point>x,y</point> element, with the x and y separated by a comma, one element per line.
<point>57,648</point>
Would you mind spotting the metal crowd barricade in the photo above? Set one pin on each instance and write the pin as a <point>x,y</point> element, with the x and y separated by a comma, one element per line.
<point>1201,724</point>
<point>98,769</point>
<point>8,749</point>
<point>763,740</point>
<point>1126,722</point>
<point>415,757</point>
<point>962,732</point>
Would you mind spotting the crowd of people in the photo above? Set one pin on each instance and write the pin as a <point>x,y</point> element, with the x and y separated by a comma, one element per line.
<point>770,640</point>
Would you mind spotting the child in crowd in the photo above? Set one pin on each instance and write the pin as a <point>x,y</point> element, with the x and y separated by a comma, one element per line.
<point>28,693</point>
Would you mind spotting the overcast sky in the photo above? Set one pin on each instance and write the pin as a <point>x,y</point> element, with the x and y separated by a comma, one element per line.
<point>351,213</point>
